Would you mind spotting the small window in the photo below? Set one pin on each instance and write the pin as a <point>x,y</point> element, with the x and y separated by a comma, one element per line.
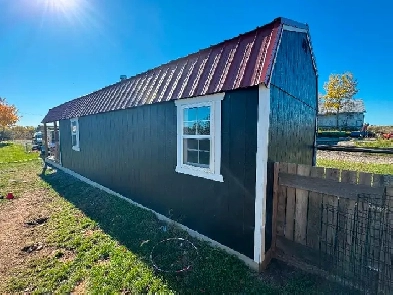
<point>75,134</point>
<point>199,136</point>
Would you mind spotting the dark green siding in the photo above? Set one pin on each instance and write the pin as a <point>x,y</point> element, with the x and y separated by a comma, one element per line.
<point>293,103</point>
<point>133,152</point>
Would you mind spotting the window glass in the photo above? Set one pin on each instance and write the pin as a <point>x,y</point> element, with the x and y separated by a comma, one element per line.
<point>196,152</point>
<point>75,134</point>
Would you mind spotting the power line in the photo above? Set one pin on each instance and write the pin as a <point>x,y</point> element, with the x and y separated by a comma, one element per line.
<point>30,114</point>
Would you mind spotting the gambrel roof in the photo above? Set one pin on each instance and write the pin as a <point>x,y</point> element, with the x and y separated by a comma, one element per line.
<point>241,62</point>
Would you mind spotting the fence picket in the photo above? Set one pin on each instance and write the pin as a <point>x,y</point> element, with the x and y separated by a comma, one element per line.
<point>314,212</point>
<point>330,204</point>
<point>385,266</point>
<point>346,209</point>
<point>290,210</point>
<point>362,217</point>
<point>282,199</point>
<point>301,208</point>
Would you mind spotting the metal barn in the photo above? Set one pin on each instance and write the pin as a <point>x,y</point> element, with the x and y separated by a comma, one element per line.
<point>196,136</point>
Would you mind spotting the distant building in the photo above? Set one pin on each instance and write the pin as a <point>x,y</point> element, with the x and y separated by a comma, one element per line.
<point>351,117</point>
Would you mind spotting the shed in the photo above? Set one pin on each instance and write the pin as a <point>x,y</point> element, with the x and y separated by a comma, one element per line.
<point>193,138</point>
<point>350,116</point>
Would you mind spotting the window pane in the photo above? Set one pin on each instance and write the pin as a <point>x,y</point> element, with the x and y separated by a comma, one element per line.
<point>204,158</point>
<point>190,114</point>
<point>204,145</point>
<point>203,127</point>
<point>190,144</point>
<point>196,152</point>
<point>189,128</point>
<point>73,128</point>
<point>203,113</point>
<point>191,157</point>
<point>73,140</point>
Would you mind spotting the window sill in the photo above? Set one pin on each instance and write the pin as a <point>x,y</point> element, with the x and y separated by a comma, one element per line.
<point>200,173</point>
<point>76,148</point>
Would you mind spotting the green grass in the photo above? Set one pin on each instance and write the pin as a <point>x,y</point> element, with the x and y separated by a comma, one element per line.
<point>364,167</point>
<point>375,144</point>
<point>10,152</point>
<point>111,240</point>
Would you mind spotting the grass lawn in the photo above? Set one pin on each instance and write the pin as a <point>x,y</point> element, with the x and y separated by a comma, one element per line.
<point>10,152</point>
<point>365,167</point>
<point>375,144</point>
<point>96,243</point>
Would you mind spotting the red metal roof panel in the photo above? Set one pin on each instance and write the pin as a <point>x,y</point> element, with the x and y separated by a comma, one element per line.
<point>240,62</point>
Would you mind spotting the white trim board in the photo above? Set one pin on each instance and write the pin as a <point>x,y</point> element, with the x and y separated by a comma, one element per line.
<point>261,173</point>
<point>248,261</point>
<point>214,102</point>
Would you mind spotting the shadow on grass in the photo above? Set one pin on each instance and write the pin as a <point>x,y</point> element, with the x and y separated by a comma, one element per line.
<point>139,230</point>
<point>4,144</point>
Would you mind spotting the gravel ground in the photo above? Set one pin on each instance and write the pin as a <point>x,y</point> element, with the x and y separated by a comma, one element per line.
<point>356,157</point>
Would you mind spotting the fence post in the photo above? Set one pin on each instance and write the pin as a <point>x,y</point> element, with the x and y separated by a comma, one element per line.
<point>45,141</point>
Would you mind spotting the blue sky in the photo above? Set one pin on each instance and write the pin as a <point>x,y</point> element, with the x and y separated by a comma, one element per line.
<point>52,51</point>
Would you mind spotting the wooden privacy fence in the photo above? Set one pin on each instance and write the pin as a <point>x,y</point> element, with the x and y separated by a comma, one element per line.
<point>336,223</point>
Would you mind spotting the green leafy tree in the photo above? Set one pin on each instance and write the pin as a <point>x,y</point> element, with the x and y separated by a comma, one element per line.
<point>339,93</point>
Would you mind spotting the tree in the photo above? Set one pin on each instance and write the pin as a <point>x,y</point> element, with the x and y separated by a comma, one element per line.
<point>8,114</point>
<point>22,132</point>
<point>340,90</point>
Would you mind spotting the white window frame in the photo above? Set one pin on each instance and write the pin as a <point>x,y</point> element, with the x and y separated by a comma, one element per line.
<point>75,147</point>
<point>214,102</point>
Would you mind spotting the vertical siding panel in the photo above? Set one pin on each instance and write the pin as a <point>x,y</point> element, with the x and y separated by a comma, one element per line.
<point>225,152</point>
<point>293,107</point>
<point>133,152</point>
<point>250,164</point>
<point>237,154</point>
<point>130,148</point>
<point>293,116</point>
<point>122,151</point>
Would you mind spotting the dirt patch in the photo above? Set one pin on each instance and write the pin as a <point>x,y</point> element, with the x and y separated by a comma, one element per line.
<point>79,289</point>
<point>19,244</point>
<point>88,233</point>
<point>64,255</point>
<point>355,157</point>
<point>279,273</point>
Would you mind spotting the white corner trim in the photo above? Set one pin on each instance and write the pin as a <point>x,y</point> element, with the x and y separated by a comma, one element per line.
<point>248,261</point>
<point>199,173</point>
<point>214,102</point>
<point>261,173</point>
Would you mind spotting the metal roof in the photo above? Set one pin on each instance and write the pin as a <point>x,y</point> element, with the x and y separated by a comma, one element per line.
<point>355,106</point>
<point>241,62</point>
